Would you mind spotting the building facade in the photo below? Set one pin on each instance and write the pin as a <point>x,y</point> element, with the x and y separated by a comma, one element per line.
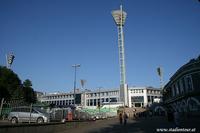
<point>143,96</point>
<point>182,92</point>
<point>137,97</point>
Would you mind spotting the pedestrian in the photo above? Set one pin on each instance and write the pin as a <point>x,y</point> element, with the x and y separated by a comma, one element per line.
<point>120,118</point>
<point>125,118</point>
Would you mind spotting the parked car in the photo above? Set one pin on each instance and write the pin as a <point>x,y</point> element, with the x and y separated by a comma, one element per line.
<point>26,114</point>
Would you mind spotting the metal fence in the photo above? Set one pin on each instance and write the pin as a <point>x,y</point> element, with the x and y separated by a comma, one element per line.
<point>60,113</point>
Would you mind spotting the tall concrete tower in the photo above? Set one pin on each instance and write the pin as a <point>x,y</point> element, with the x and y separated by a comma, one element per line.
<point>119,18</point>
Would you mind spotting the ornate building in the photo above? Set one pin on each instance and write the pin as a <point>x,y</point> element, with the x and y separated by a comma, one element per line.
<point>182,92</point>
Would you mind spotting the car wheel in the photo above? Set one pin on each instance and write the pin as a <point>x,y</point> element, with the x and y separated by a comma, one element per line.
<point>14,120</point>
<point>40,120</point>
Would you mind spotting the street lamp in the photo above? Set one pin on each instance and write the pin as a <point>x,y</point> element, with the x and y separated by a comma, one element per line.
<point>75,67</point>
<point>99,98</point>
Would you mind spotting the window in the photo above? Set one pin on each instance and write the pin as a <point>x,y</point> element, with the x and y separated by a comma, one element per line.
<point>137,99</point>
<point>113,99</point>
<point>33,111</point>
<point>102,100</point>
<point>174,88</point>
<point>152,97</point>
<point>106,99</point>
<point>178,87</point>
<point>95,102</point>
<point>25,110</point>
<point>91,102</point>
<point>189,82</point>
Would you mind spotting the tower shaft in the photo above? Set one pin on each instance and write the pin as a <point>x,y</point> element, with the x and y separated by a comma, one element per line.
<point>119,17</point>
<point>121,55</point>
<point>123,85</point>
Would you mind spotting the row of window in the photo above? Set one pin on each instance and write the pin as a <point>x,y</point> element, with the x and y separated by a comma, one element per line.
<point>95,102</point>
<point>87,95</point>
<point>153,91</point>
<point>90,102</point>
<point>148,91</point>
<point>137,91</point>
<point>60,96</point>
<point>62,102</point>
<point>102,94</point>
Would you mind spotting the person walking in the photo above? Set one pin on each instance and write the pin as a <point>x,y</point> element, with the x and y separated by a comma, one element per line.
<point>120,118</point>
<point>125,118</point>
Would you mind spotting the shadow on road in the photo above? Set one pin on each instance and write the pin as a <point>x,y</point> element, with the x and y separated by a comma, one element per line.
<point>141,125</point>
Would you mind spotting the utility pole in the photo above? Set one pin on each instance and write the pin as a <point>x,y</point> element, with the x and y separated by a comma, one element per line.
<point>1,106</point>
<point>75,68</point>
<point>99,99</point>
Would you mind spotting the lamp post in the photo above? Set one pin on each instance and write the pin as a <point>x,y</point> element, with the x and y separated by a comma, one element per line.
<point>75,67</point>
<point>99,99</point>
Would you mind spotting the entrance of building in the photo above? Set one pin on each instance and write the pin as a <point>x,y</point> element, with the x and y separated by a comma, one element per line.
<point>139,104</point>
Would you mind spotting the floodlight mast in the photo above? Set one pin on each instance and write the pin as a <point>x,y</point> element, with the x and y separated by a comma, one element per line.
<point>119,18</point>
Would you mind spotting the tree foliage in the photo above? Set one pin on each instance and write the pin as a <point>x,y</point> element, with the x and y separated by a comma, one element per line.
<point>11,87</point>
<point>29,94</point>
<point>27,83</point>
<point>10,84</point>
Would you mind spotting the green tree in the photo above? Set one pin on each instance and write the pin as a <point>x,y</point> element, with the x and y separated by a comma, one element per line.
<point>29,93</point>
<point>11,87</point>
<point>10,84</point>
<point>27,83</point>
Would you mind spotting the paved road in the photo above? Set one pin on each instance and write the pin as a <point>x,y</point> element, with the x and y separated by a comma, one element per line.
<point>141,125</point>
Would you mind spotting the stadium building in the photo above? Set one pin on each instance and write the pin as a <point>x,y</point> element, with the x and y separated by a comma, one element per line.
<point>137,97</point>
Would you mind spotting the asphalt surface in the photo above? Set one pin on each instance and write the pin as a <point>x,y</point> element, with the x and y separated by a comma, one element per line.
<point>141,125</point>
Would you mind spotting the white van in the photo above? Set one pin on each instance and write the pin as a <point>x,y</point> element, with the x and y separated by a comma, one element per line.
<point>26,114</point>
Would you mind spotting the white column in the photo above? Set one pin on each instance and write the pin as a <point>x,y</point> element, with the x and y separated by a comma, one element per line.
<point>145,97</point>
<point>129,98</point>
